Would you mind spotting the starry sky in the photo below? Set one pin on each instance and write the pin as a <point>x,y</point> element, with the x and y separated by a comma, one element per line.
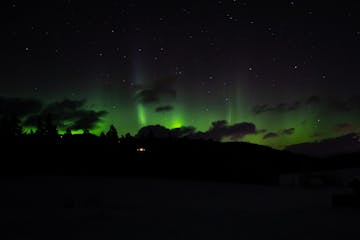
<point>269,72</point>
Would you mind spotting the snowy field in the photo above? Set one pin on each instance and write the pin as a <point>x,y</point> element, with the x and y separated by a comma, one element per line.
<point>115,208</point>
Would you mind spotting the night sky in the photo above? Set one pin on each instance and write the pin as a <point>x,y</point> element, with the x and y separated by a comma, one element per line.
<point>272,73</point>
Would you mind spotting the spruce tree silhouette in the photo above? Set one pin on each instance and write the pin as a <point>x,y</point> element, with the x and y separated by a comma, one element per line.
<point>50,128</point>
<point>40,128</point>
<point>46,130</point>
<point>112,134</point>
<point>15,126</point>
<point>68,132</point>
<point>127,139</point>
<point>10,126</point>
<point>128,136</point>
<point>102,136</point>
<point>86,132</point>
<point>68,137</point>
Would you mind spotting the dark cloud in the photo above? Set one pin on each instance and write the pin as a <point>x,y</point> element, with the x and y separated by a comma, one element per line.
<point>19,106</point>
<point>68,113</point>
<point>351,103</point>
<point>260,108</point>
<point>289,131</point>
<point>293,107</point>
<point>65,106</point>
<point>155,95</point>
<point>161,89</point>
<point>270,135</point>
<point>345,105</point>
<point>183,132</point>
<point>313,100</point>
<point>167,108</point>
<point>66,110</point>
<point>261,131</point>
<point>32,120</point>
<point>220,130</point>
<point>332,104</point>
<point>148,96</point>
<point>280,108</point>
<point>217,132</point>
<point>87,119</point>
<point>345,128</point>
<point>156,131</point>
<point>317,135</point>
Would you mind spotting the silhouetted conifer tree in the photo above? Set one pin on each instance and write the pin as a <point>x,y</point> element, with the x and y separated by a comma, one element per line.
<point>68,132</point>
<point>16,128</point>
<point>40,128</point>
<point>50,128</point>
<point>102,136</point>
<point>10,126</point>
<point>112,134</point>
<point>86,131</point>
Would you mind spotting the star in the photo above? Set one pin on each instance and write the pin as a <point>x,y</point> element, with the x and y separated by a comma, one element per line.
<point>228,55</point>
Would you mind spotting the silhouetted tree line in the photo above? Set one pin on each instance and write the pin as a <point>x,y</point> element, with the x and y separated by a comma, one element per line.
<point>10,126</point>
<point>151,150</point>
<point>11,129</point>
<point>46,131</point>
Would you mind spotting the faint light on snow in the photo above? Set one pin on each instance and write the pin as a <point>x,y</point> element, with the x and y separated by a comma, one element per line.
<point>141,149</point>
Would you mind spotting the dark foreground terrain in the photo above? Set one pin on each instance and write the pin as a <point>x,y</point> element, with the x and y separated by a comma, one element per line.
<point>169,190</point>
<point>166,158</point>
<point>139,208</point>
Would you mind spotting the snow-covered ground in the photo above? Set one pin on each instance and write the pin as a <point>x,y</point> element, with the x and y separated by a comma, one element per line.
<point>113,208</point>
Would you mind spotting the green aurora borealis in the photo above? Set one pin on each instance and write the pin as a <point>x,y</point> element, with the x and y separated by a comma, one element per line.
<point>311,122</point>
<point>289,68</point>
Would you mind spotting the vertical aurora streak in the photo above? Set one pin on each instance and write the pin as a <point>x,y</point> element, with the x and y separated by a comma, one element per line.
<point>141,114</point>
<point>154,63</point>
